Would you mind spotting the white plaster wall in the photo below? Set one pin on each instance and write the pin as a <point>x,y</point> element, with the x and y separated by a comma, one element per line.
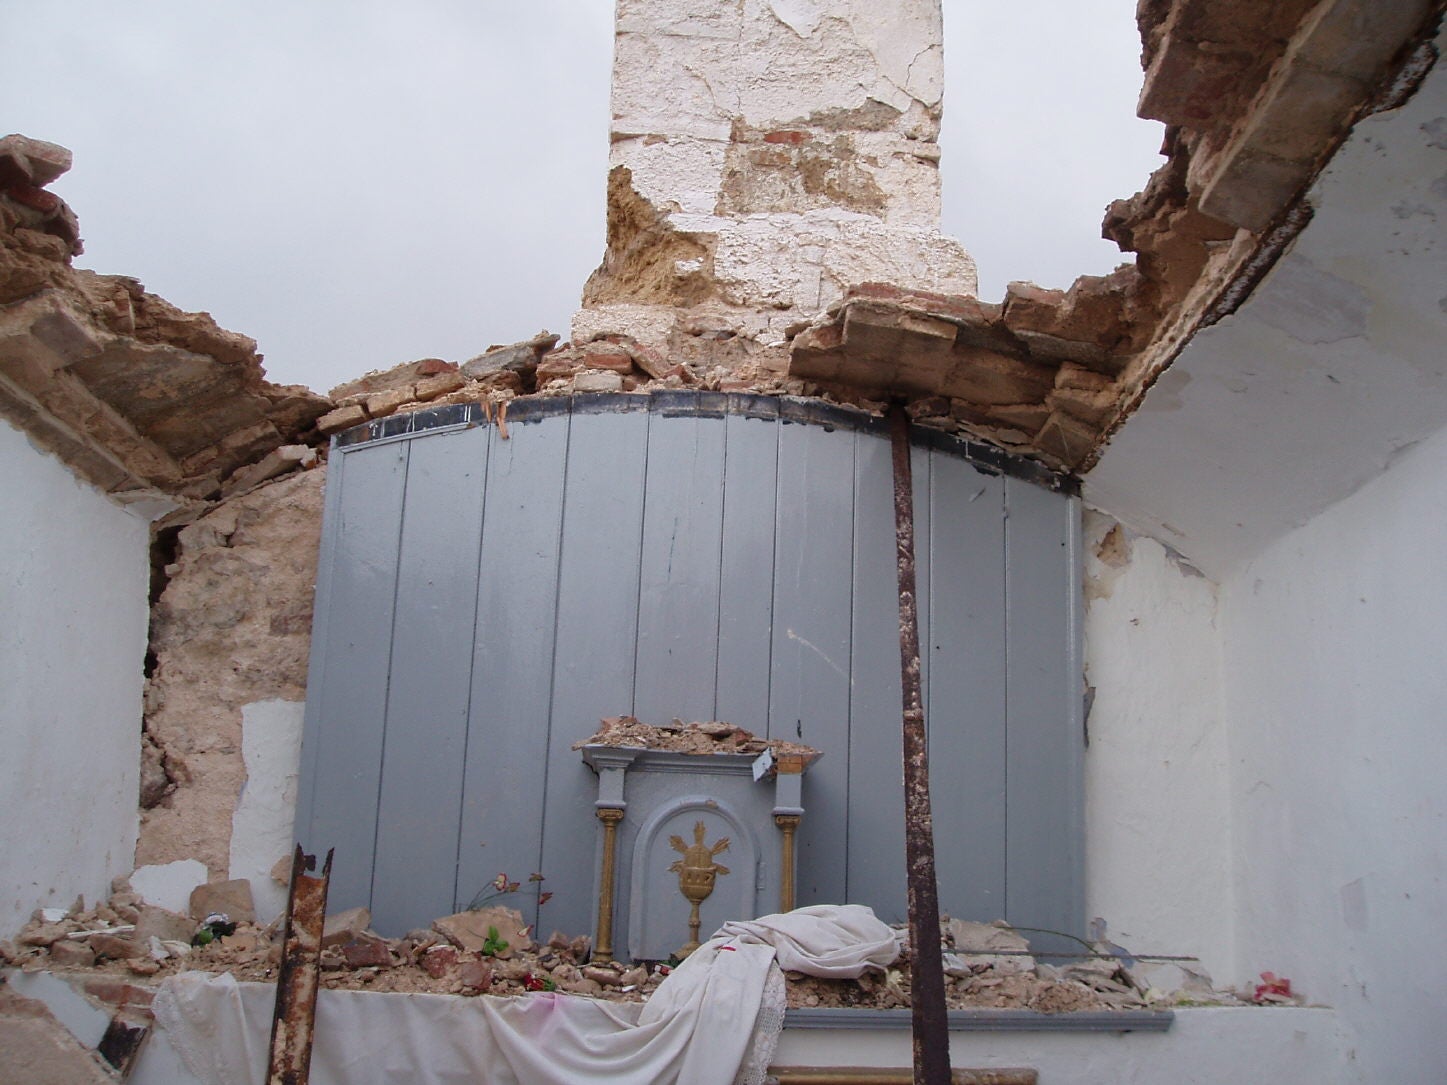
<point>73,616</point>
<point>1156,791</point>
<point>1335,648</point>
<point>1204,1046</point>
<point>261,827</point>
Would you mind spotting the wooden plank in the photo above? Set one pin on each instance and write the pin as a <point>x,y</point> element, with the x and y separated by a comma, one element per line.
<point>876,867</point>
<point>597,622</point>
<point>967,689</point>
<point>1045,841</point>
<point>507,742</point>
<point>746,577</point>
<point>415,872</point>
<point>345,715</point>
<point>809,679</point>
<point>678,592</point>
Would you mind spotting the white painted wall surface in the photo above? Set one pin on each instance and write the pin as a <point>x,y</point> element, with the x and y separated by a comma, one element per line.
<point>1335,648</point>
<point>1204,1046</point>
<point>73,617</point>
<point>261,827</point>
<point>1157,811</point>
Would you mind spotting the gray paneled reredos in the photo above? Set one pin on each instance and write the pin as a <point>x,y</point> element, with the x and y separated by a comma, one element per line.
<point>483,602</point>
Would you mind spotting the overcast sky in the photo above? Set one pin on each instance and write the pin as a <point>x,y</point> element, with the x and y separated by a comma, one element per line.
<point>356,183</point>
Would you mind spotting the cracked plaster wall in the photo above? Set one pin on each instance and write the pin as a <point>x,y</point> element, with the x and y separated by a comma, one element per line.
<point>1157,815</point>
<point>72,646</point>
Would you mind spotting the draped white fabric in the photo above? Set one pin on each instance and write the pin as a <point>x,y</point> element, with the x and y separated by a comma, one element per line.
<point>707,1020</point>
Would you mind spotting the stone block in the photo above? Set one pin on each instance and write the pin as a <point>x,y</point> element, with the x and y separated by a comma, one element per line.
<point>471,930</point>
<point>384,403</point>
<point>386,380</point>
<point>277,462</point>
<point>115,947</point>
<point>345,926</point>
<point>1248,189</point>
<point>517,357</point>
<point>476,975</point>
<point>367,951</point>
<point>438,959</point>
<point>597,380</point>
<point>429,388</point>
<point>164,924</point>
<point>984,377</point>
<point>342,418</point>
<point>69,954</point>
<point>31,161</point>
<point>599,356</point>
<point>232,898</point>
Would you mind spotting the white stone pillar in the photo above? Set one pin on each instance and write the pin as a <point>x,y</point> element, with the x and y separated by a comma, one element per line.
<point>766,155</point>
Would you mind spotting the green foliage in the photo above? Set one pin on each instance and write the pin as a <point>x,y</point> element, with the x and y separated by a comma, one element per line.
<point>493,944</point>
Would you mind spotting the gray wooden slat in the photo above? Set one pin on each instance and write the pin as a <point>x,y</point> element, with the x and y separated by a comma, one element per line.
<point>507,746</point>
<point>876,867</point>
<point>596,625</point>
<point>345,715</point>
<point>802,541</point>
<point>1044,848</point>
<point>967,689</point>
<point>809,681</point>
<point>427,697</point>
<point>322,604</point>
<point>746,577</point>
<point>678,593</point>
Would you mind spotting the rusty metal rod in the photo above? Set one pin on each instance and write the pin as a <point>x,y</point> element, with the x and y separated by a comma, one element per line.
<point>927,977</point>
<point>293,1022</point>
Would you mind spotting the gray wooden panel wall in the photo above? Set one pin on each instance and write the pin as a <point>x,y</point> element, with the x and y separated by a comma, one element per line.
<point>482,602</point>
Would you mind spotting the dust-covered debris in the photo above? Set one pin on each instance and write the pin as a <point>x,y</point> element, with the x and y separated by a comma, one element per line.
<point>492,952</point>
<point>703,737</point>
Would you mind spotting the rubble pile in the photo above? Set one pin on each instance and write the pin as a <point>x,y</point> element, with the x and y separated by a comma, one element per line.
<point>710,737</point>
<point>490,951</point>
<point>541,367</point>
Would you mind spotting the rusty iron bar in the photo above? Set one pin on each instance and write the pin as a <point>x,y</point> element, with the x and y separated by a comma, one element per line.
<point>927,977</point>
<point>293,1022</point>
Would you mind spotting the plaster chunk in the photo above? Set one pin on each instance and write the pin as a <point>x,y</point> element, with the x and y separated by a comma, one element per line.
<point>169,885</point>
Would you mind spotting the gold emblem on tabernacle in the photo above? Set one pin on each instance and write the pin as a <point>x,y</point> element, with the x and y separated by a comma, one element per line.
<point>696,872</point>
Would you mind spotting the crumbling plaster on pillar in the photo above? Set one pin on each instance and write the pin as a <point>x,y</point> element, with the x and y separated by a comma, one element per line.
<point>231,629</point>
<point>796,157</point>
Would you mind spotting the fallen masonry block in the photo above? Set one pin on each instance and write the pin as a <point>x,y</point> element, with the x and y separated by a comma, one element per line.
<point>276,462</point>
<point>346,926</point>
<point>31,161</point>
